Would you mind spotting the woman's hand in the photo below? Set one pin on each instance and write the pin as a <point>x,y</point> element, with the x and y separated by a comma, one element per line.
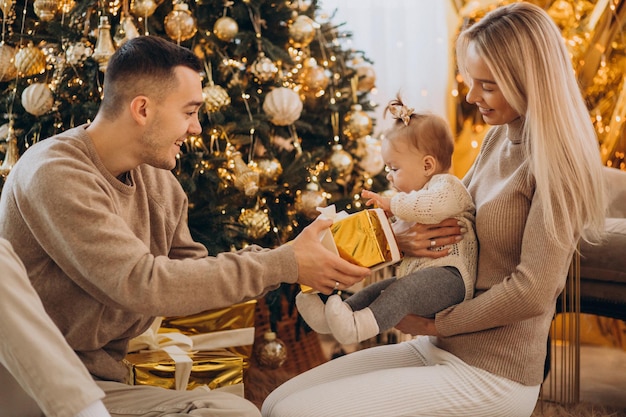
<point>427,239</point>
<point>416,325</point>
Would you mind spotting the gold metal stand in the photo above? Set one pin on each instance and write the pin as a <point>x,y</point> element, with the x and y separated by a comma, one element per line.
<point>563,382</point>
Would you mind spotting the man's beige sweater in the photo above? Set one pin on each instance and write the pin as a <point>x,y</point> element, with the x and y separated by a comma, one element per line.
<point>106,257</point>
<point>504,328</point>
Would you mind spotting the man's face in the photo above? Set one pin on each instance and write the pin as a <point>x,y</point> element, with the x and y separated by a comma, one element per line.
<point>172,120</point>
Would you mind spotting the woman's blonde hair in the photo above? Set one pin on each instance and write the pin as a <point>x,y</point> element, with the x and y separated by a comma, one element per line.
<point>426,132</point>
<point>526,54</point>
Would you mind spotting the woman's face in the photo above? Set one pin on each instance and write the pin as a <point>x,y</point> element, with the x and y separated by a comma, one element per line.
<point>484,92</point>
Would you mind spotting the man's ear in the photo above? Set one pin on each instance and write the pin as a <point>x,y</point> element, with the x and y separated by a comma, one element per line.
<point>430,165</point>
<point>139,109</point>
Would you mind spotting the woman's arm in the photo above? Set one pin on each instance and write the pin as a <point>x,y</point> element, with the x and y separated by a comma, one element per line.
<point>418,240</point>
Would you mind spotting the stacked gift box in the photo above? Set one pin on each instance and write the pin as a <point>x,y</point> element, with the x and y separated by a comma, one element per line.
<point>211,348</point>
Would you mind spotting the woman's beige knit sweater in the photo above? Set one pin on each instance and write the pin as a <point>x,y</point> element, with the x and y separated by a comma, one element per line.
<point>107,257</point>
<point>521,272</point>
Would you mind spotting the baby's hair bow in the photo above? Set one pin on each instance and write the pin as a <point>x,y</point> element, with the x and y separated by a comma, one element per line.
<point>400,111</point>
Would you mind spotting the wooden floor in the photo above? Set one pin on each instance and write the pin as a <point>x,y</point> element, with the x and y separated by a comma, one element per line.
<point>603,376</point>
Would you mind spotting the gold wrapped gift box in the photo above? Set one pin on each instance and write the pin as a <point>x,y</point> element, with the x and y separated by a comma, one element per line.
<point>215,369</point>
<point>234,323</point>
<point>365,238</point>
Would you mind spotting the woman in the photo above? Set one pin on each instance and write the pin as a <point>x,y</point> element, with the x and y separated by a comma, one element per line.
<point>535,186</point>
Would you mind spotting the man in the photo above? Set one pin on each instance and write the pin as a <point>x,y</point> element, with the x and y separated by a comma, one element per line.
<point>100,223</point>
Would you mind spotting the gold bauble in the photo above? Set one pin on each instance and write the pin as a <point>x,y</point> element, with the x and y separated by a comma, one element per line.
<point>356,123</point>
<point>65,6</point>
<point>301,31</point>
<point>215,98</point>
<point>180,24</point>
<point>367,78</point>
<point>263,68</point>
<point>256,222</point>
<point>341,161</point>
<point>225,28</point>
<point>30,60</point>
<point>8,71</point>
<point>313,77</point>
<point>271,352</point>
<point>309,199</point>
<point>143,8</point>
<point>283,106</point>
<point>5,6</point>
<point>46,10</point>
<point>37,99</point>
<point>269,170</point>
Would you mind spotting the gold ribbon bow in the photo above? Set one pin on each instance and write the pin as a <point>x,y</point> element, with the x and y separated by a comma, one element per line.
<point>401,112</point>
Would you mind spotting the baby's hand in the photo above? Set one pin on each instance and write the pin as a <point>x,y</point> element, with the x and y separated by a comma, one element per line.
<point>375,199</point>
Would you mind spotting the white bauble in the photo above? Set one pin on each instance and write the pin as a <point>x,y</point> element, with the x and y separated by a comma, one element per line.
<point>37,99</point>
<point>283,106</point>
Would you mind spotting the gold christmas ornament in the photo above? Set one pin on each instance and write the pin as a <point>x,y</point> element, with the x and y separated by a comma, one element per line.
<point>272,352</point>
<point>37,99</point>
<point>269,170</point>
<point>341,161</point>
<point>283,106</point>
<point>263,68</point>
<point>126,30</point>
<point>143,8</point>
<point>301,31</point>
<point>30,60</point>
<point>313,77</point>
<point>104,45</point>
<point>246,178</point>
<point>5,6</point>
<point>180,24</point>
<point>256,222</point>
<point>12,153</point>
<point>46,10</point>
<point>367,78</point>
<point>8,71</point>
<point>225,28</point>
<point>356,123</point>
<point>65,6</point>
<point>215,98</point>
<point>309,199</point>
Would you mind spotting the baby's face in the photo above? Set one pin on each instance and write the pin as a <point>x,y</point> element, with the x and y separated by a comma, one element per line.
<point>405,165</point>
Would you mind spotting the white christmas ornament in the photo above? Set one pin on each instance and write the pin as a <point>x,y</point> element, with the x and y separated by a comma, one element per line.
<point>37,99</point>
<point>283,106</point>
<point>372,161</point>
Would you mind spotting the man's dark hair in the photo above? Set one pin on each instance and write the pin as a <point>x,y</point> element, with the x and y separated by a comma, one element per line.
<point>143,65</point>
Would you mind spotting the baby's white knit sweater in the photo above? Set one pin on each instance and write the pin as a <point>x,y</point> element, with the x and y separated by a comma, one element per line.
<point>443,197</point>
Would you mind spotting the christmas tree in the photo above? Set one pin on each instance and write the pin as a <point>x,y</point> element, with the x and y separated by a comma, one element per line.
<point>285,122</point>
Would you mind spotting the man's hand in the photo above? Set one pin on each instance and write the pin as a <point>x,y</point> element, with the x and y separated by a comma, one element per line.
<point>318,267</point>
<point>420,239</point>
<point>416,325</point>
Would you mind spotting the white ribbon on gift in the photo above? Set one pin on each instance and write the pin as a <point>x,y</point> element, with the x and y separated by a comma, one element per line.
<point>179,346</point>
